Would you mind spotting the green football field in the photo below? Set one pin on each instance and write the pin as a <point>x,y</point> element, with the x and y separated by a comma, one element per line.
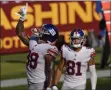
<point>102,84</point>
<point>13,66</point>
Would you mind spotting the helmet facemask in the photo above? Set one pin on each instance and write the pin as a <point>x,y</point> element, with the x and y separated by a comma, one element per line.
<point>77,42</point>
<point>77,38</point>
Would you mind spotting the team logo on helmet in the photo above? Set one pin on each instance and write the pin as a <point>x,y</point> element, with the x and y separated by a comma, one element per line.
<point>50,32</point>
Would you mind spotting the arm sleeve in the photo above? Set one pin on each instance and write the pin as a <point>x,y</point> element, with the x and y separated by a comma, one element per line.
<point>93,76</point>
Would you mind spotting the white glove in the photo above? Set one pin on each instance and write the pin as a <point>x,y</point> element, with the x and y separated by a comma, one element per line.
<point>22,13</point>
<point>54,88</point>
<point>48,88</point>
<point>36,32</point>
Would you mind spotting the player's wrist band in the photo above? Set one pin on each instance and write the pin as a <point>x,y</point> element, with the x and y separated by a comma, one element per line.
<point>22,18</point>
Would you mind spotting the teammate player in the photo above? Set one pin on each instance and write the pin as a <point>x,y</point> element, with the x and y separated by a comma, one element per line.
<point>41,52</point>
<point>76,58</point>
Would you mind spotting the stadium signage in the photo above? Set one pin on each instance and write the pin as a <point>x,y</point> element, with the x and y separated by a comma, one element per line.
<point>65,15</point>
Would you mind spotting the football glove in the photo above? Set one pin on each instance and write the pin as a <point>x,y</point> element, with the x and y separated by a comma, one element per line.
<point>22,13</point>
<point>54,88</point>
<point>36,32</point>
<point>48,88</point>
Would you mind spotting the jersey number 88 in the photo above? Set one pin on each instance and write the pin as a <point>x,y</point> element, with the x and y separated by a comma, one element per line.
<point>32,59</point>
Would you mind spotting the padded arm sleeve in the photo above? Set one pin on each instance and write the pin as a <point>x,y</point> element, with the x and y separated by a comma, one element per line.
<point>93,76</point>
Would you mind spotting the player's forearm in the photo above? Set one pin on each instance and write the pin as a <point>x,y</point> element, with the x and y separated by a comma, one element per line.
<point>20,33</point>
<point>58,72</point>
<point>48,60</point>
<point>19,27</point>
<point>93,77</point>
<point>57,76</point>
<point>48,77</point>
<point>48,74</point>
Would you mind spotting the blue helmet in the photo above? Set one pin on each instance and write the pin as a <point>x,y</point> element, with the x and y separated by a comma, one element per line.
<point>50,33</point>
<point>77,38</point>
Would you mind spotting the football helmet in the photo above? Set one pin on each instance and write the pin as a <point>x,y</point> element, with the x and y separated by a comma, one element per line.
<point>77,38</point>
<point>50,33</point>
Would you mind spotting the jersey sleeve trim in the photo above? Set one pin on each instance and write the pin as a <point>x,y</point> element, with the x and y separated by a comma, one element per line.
<point>52,52</point>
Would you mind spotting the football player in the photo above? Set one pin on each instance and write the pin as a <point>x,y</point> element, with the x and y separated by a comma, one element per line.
<point>41,52</point>
<point>76,58</point>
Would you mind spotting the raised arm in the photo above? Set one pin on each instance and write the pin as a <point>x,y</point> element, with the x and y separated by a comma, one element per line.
<point>20,33</point>
<point>20,26</point>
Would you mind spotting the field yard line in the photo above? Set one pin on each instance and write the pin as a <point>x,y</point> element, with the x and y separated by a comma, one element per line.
<point>23,81</point>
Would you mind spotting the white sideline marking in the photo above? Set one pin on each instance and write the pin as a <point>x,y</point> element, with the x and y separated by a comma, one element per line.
<point>23,81</point>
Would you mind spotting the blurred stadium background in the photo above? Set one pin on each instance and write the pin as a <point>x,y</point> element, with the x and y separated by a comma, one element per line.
<point>94,17</point>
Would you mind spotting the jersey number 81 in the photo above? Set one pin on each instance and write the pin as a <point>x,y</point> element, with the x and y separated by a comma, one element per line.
<point>71,68</point>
